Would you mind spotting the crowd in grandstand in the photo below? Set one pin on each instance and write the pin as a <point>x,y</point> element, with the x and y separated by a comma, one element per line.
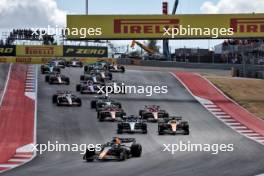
<point>28,34</point>
<point>234,42</point>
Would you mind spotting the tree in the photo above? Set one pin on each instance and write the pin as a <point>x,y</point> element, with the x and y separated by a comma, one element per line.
<point>152,44</point>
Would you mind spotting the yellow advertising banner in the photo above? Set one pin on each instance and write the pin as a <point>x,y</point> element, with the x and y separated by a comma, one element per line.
<point>191,26</point>
<point>43,60</point>
<point>39,50</point>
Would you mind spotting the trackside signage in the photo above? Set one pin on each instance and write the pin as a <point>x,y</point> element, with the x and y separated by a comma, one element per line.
<point>154,26</point>
<point>85,51</point>
<point>7,50</point>
<point>39,51</point>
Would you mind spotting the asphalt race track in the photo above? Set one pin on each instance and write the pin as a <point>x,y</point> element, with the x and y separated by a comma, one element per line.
<point>80,125</point>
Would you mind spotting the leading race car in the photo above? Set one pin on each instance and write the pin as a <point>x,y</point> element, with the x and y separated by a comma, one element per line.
<point>118,149</point>
<point>56,78</point>
<point>152,113</point>
<point>99,102</point>
<point>173,125</point>
<point>110,113</point>
<point>74,63</point>
<point>132,124</point>
<point>49,68</point>
<point>88,87</point>
<point>60,63</point>
<point>66,98</point>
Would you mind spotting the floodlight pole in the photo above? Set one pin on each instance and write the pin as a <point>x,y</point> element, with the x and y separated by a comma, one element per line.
<point>86,7</point>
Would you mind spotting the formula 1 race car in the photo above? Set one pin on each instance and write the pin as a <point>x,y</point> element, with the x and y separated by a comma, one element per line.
<point>56,78</point>
<point>173,125</point>
<point>102,101</point>
<point>116,68</point>
<point>74,63</point>
<point>95,66</point>
<point>110,113</point>
<point>60,63</point>
<point>88,87</point>
<point>97,76</point>
<point>132,124</point>
<point>152,113</point>
<point>118,149</point>
<point>49,68</point>
<point>66,98</point>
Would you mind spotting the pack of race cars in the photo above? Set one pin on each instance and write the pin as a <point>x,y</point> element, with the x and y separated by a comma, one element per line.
<point>96,76</point>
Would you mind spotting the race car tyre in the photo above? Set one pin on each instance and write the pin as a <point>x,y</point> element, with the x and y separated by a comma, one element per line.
<point>186,132</point>
<point>78,87</point>
<point>136,150</point>
<point>160,131</point>
<point>54,98</point>
<point>122,156</point>
<point>79,101</point>
<point>47,78</point>
<point>123,69</point>
<point>88,156</point>
<point>93,104</point>
<point>67,80</point>
<point>82,77</point>
<point>85,68</point>
<point>140,112</point>
<point>119,105</point>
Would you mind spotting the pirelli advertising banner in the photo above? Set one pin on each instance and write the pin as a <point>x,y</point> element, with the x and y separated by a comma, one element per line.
<point>85,51</point>
<point>165,26</point>
<point>39,50</point>
<point>43,60</point>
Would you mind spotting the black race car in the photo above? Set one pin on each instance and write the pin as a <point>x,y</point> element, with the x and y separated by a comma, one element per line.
<point>110,113</point>
<point>66,98</point>
<point>49,68</point>
<point>95,66</point>
<point>132,124</point>
<point>56,78</point>
<point>102,101</point>
<point>74,63</point>
<point>118,149</point>
<point>152,113</point>
<point>173,125</point>
<point>88,87</point>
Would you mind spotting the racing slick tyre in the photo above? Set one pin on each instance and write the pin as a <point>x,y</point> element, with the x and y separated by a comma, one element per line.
<point>82,77</point>
<point>186,132</point>
<point>123,69</point>
<point>136,150</point>
<point>85,68</point>
<point>100,117</point>
<point>119,105</point>
<point>160,131</point>
<point>93,104</point>
<point>119,129</point>
<point>67,80</point>
<point>144,129</point>
<point>122,156</point>
<point>47,78</point>
<point>140,112</point>
<point>78,87</point>
<point>88,156</point>
<point>79,101</point>
<point>54,98</point>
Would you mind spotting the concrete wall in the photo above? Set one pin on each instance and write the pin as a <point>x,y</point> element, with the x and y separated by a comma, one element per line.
<point>4,67</point>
